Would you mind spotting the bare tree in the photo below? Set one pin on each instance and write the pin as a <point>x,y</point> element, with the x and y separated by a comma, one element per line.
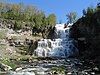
<point>71,17</point>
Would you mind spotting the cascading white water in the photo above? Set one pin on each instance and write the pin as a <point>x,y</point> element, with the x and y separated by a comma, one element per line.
<point>61,47</point>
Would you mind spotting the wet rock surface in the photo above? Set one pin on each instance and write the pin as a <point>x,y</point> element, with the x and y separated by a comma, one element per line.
<point>44,67</point>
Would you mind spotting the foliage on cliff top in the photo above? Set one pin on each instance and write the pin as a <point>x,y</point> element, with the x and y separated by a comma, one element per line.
<point>25,14</point>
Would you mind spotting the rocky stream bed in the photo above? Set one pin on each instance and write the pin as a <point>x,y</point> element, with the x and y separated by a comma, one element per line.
<point>70,66</point>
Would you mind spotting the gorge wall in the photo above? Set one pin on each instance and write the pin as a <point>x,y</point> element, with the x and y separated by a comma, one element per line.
<point>87,32</point>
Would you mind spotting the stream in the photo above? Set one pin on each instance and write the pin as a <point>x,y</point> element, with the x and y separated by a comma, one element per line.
<point>70,66</point>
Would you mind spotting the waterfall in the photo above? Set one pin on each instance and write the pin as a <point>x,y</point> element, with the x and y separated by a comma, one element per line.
<point>63,46</point>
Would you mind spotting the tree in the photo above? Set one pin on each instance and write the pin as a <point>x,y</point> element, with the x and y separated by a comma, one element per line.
<point>84,12</point>
<point>90,11</point>
<point>45,21</point>
<point>98,7</point>
<point>51,19</point>
<point>38,19</point>
<point>71,17</point>
<point>27,16</point>
<point>17,25</point>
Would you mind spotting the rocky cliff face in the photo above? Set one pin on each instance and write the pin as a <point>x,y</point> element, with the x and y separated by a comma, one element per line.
<point>87,32</point>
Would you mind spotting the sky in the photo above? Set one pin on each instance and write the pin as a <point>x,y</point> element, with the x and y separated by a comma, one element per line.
<point>59,7</point>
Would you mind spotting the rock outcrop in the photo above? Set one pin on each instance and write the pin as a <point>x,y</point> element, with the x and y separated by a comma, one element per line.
<point>87,32</point>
